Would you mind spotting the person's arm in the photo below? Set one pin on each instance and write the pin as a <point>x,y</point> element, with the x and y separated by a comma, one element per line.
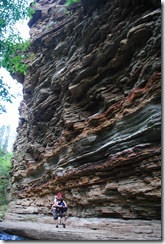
<point>56,204</point>
<point>52,207</point>
<point>65,204</point>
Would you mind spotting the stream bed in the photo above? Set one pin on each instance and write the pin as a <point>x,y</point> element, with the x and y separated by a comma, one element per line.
<point>4,236</point>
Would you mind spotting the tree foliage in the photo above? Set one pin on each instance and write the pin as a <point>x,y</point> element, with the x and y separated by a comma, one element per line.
<point>4,95</point>
<point>5,169</point>
<point>5,164</point>
<point>4,91</point>
<point>69,2</point>
<point>11,12</point>
<point>14,54</point>
<point>12,46</point>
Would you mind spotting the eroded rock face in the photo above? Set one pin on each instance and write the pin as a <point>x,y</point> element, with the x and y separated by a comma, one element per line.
<point>90,122</point>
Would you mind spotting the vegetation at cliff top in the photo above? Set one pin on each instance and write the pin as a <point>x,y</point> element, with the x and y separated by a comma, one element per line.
<point>12,46</point>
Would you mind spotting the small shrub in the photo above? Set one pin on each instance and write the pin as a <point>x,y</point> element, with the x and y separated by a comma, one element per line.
<point>3,210</point>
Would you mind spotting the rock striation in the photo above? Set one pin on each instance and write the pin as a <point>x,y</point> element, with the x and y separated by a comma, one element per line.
<point>90,119</point>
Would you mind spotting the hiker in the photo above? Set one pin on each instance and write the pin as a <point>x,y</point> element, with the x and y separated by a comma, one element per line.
<point>59,208</point>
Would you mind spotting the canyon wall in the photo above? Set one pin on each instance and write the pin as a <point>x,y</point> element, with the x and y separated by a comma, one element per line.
<point>90,119</point>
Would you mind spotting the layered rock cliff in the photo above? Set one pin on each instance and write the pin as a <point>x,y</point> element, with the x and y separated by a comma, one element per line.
<point>90,121</point>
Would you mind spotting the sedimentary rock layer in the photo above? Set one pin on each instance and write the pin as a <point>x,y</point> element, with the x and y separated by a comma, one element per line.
<point>90,121</point>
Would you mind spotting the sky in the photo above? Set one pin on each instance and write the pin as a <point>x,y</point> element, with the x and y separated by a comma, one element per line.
<point>11,117</point>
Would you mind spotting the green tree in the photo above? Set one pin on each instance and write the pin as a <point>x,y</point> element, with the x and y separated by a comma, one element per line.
<point>4,95</point>
<point>12,46</point>
<point>11,12</point>
<point>14,54</point>
<point>5,169</point>
<point>5,164</point>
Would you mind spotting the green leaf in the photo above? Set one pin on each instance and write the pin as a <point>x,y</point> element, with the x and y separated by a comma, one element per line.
<point>69,2</point>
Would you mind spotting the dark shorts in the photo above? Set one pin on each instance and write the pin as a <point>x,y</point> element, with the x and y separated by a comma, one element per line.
<point>59,213</point>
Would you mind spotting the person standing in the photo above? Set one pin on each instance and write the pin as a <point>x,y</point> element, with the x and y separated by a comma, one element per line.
<point>59,209</point>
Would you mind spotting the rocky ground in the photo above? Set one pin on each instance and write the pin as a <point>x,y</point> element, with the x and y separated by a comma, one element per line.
<point>87,229</point>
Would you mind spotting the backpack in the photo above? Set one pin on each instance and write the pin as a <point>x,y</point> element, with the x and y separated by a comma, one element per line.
<point>61,203</point>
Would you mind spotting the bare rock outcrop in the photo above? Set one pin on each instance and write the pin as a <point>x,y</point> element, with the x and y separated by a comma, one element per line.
<point>90,122</point>
<point>87,230</point>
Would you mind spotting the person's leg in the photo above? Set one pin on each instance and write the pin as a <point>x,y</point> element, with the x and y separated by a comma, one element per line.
<point>55,216</point>
<point>64,219</point>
